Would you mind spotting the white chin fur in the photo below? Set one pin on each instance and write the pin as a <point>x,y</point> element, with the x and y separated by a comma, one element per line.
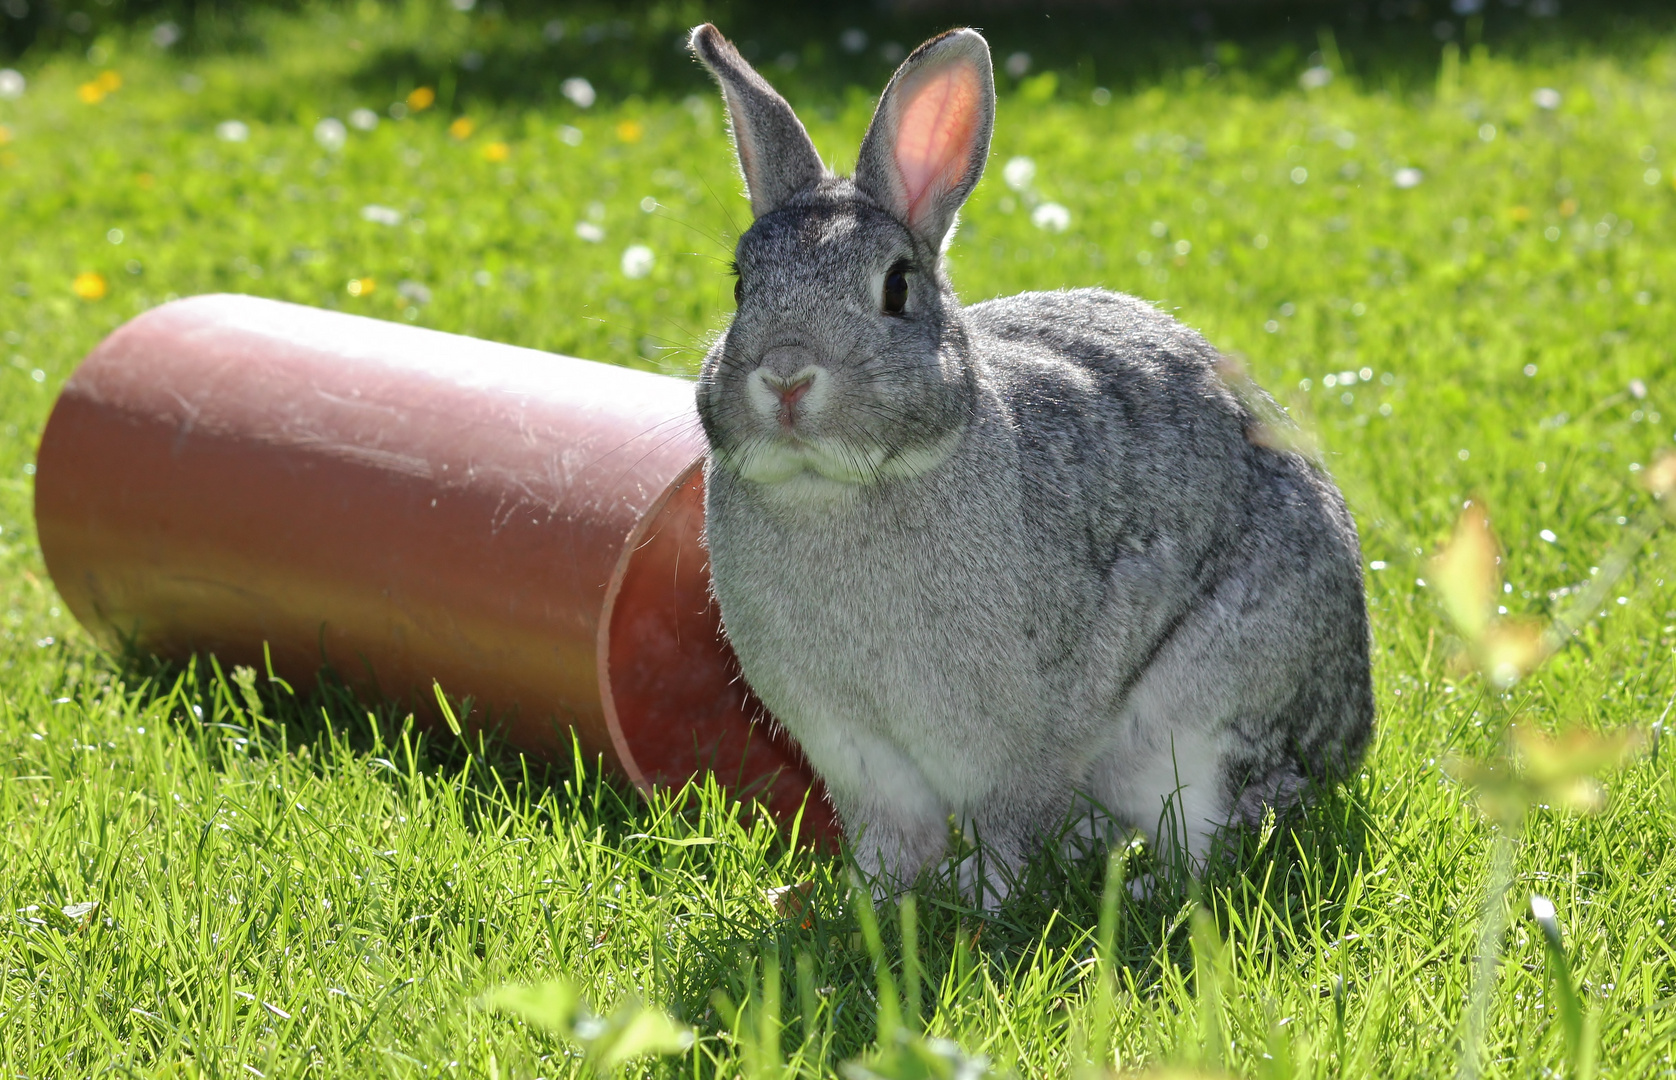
<point>828,467</point>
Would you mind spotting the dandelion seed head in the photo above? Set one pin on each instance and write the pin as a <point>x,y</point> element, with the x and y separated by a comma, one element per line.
<point>579,91</point>
<point>331,134</point>
<point>1051,217</point>
<point>381,215</point>
<point>1316,77</point>
<point>1019,173</point>
<point>637,261</point>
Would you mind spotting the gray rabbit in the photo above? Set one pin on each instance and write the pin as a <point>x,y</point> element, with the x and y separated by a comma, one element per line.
<point>1001,564</point>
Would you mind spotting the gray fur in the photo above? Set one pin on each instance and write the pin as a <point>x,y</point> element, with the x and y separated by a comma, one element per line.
<point>999,559</point>
<point>773,149</point>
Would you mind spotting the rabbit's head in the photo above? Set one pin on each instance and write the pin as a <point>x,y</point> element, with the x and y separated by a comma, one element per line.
<point>845,365</point>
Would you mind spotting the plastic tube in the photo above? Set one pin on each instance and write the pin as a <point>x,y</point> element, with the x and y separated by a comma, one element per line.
<point>409,506</point>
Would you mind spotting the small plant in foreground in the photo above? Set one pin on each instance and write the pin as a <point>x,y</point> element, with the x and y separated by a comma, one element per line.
<point>1532,770</point>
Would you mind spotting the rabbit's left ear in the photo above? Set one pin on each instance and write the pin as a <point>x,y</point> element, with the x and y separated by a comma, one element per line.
<point>775,153</point>
<point>930,134</point>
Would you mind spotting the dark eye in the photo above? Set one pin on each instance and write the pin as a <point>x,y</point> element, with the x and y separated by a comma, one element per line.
<point>896,290</point>
<point>738,290</point>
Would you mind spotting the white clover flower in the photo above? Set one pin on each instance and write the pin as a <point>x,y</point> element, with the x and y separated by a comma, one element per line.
<point>12,84</point>
<point>232,131</point>
<point>1546,98</point>
<point>637,261</point>
<point>1051,217</point>
<point>363,119</point>
<point>1019,173</point>
<point>331,134</point>
<point>1316,77</point>
<point>1407,178</point>
<point>381,215</point>
<point>579,90</point>
<point>590,232</point>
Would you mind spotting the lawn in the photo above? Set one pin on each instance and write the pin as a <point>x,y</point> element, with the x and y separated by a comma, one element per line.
<point>1448,247</point>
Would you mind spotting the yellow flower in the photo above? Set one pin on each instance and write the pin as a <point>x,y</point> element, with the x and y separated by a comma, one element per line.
<point>5,134</point>
<point>145,180</point>
<point>362,286</point>
<point>1568,208</point>
<point>89,285</point>
<point>497,151</point>
<point>94,92</point>
<point>630,131</point>
<point>1520,213</point>
<point>462,127</point>
<point>421,99</point>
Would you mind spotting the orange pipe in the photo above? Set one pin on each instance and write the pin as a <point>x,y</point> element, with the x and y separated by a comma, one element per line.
<point>408,506</point>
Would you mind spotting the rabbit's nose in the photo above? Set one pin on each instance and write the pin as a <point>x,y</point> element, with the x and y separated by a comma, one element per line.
<point>778,396</point>
<point>787,362</point>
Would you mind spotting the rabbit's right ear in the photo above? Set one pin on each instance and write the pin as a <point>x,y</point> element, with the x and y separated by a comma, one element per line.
<point>774,150</point>
<point>930,134</point>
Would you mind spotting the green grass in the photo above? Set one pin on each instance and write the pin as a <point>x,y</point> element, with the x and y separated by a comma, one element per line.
<point>291,885</point>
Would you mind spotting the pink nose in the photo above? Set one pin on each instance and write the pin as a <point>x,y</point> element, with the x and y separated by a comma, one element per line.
<point>790,391</point>
<point>791,395</point>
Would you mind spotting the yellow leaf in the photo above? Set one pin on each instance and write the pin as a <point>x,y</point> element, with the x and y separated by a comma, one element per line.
<point>1544,771</point>
<point>1562,771</point>
<point>1465,574</point>
<point>1659,479</point>
<point>1512,648</point>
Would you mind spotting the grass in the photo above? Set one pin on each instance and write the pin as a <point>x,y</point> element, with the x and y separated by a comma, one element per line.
<point>296,884</point>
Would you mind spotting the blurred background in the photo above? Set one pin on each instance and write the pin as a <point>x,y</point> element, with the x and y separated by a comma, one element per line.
<point>524,49</point>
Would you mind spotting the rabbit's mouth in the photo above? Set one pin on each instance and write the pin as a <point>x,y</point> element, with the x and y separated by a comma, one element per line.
<point>810,463</point>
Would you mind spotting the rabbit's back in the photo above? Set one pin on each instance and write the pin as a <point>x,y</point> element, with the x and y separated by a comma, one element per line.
<point>1181,531</point>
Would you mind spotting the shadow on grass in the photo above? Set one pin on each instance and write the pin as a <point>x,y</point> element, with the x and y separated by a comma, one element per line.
<point>1297,874</point>
<point>520,52</point>
<point>1295,877</point>
<point>524,53</point>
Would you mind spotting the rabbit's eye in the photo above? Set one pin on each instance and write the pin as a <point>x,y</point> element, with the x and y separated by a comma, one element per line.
<point>895,295</point>
<point>738,290</point>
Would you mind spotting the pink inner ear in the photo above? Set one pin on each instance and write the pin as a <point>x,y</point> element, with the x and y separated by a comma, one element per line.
<point>934,132</point>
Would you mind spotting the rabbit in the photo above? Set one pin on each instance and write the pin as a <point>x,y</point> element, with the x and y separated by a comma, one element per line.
<point>994,566</point>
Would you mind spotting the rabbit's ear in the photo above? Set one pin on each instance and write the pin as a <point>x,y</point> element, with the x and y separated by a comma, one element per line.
<point>926,147</point>
<point>775,153</point>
